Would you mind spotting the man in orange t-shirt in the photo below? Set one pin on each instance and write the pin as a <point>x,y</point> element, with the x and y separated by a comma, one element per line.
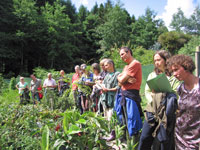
<point>130,81</point>
<point>131,77</point>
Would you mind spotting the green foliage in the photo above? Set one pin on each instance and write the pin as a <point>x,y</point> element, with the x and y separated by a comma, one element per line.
<point>83,131</point>
<point>145,57</point>
<point>45,138</point>
<point>190,47</point>
<point>41,73</point>
<point>12,83</point>
<point>115,30</point>
<point>146,29</point>
<point>190,25</point>
<point>173,41</point>
<point>1,83</point>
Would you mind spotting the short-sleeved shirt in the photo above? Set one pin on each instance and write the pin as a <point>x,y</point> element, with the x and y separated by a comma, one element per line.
<point>187,129</point>
<point>21,87</point>
<point>35,85</point>
<point>75,77</point>
<point>134,69</point>
<point>48,82</point>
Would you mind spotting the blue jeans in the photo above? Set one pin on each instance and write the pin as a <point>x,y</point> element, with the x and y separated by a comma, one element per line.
<point>35,96</point>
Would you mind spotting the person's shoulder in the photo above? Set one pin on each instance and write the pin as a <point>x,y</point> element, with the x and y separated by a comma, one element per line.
<point>135,63</point>
<point>38,80</point>
<point>117,73</point>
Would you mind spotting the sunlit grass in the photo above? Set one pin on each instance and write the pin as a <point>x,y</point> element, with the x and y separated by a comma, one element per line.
<point>9,96</point>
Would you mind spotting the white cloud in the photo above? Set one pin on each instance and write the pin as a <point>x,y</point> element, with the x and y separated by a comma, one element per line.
<point>187,6</point>
<point>84,2</point>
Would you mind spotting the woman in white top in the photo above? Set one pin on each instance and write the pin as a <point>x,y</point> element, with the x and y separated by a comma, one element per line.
<point>22,86</point>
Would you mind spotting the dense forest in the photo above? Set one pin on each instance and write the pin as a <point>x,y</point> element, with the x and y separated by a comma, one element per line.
<point>56,34</point>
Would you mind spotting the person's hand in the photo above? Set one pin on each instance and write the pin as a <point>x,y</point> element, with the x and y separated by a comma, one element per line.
<point>131,80</point>
<point>87,83</point>
<point>104,89</point>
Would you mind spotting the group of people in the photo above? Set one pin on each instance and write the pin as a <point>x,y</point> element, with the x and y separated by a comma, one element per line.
<point>36,87</point>
<point>171,119</point>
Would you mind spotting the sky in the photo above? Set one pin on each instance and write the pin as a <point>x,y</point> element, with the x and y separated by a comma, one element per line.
<point>163,8</point>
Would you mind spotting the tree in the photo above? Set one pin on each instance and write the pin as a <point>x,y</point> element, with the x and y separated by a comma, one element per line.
<point>7,30</point>
<point>82,13</point>
<point>173,41</point>
<point>190,47</point>
<point>115,29</point>
<point>59,35</point>
<point>193,23</point>
<point>189,25</point>
<point>70,10</point>
<point>27,18</point>
<point>178,21</point>
<point>145,30</point>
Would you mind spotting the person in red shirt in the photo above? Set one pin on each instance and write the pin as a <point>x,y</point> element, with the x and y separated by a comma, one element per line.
<point>75,77</point>
<point>127,102</point>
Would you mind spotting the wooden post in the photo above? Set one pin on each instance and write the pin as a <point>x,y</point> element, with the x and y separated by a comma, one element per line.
<point>197,60</point>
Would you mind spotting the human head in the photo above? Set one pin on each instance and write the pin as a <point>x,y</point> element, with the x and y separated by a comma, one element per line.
<point>33,77</point>
<point>160,58</point>
<point>83,67</point>
<point>126,49</point>
<point>62,72</point>
<point>181,62</point>
<point>109,65</point>
<point>96,68</point>
<point>102,64</point>
<point>49,75</point>
<point>21,79</point>
<point>77,68</point>
<point>126,54</point>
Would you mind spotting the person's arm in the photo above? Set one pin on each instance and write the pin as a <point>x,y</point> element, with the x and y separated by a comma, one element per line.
<point>123,78</point>
<point>59,88</point>
<point>44,84</point>
<point>109,90</point>
<point>17,86</point>
<point>54,84</point>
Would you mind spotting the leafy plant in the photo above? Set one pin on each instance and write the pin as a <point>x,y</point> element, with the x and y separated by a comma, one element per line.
<point>45,138</point>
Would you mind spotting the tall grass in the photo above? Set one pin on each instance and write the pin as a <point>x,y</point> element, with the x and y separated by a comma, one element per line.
<point>9,96</point>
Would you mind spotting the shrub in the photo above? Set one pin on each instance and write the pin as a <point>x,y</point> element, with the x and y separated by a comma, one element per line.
<point>190,47</point>
<point>12,83</point>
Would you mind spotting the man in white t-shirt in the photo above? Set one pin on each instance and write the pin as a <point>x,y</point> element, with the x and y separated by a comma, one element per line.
<point>49,85</point>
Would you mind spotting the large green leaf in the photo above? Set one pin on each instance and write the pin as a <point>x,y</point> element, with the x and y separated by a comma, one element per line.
<point>81,121</point>
<point>73,129</point>
<point>45,138</point>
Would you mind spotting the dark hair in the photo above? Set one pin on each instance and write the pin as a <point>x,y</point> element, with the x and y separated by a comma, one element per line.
<point>182,60</point>
<point>126,49</point>
<point>95,66</point>
<point>164,55</point>
<point>32,75</point>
